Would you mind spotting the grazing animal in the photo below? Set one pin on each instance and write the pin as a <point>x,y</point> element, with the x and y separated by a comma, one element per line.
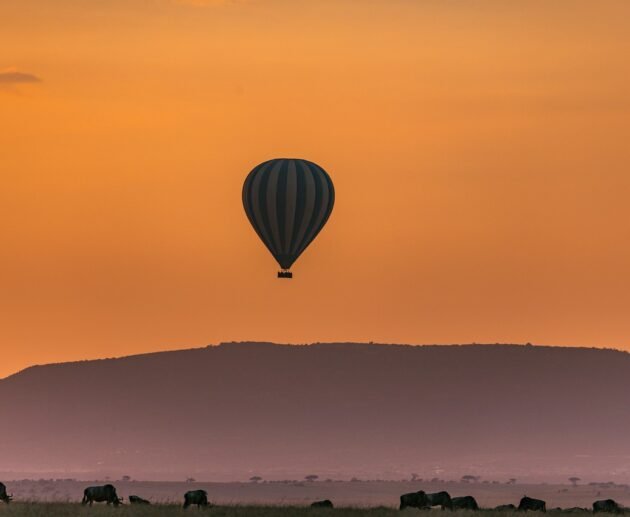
<point>326,503</point>
<point>528,503</point>
<point>134,499</point>
<point>3,494</point>
<point>100,494</point>
<point>505,507</point>
<point>466,502</point>
<point>414,500</point>
<point>442,499</point>
<point>198,497</point>
<point>607,505</point>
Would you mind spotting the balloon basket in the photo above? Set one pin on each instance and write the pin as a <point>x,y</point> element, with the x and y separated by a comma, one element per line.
<point>285,274</point>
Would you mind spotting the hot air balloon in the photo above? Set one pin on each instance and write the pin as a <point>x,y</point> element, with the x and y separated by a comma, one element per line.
<point>288,202</point>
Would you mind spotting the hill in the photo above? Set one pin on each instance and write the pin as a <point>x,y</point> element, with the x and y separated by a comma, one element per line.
<point>337,410</point>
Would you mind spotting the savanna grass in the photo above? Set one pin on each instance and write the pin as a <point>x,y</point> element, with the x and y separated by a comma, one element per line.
<point>37,509</point>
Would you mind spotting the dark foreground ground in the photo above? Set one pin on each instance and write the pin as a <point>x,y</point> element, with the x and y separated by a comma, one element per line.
<point>164,510</point>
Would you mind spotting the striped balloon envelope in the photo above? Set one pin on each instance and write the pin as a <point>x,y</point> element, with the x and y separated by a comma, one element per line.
<point>288,202</point>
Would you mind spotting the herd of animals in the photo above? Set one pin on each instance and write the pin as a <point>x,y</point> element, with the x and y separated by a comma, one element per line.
<point>107,494</point>
<point>421,500</point>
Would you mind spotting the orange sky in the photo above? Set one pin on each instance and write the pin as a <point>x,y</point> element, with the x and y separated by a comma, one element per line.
<point>479,151</point>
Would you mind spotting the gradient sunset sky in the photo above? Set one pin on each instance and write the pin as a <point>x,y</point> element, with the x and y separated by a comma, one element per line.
<point>479,149</point>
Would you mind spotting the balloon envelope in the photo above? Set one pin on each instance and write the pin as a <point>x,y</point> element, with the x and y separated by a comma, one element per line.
<point>288,202</point>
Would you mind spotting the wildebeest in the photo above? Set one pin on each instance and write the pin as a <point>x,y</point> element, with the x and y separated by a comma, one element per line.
<point>3,494</point>
<point>198,497</point>
<point>134,499</point>
<point>528,503</point>
<point>442,499</point>
<point>505,507</point>
<point>326,503</point>
<point>607,505</point>
<point>100,494</point>
<point>414,500</point>
<point>466,502</point>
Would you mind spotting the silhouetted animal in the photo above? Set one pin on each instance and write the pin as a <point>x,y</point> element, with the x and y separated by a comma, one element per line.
<point>442,499</point>
<point>326,503</point>
<point>198,497</point>
<point>505,507</point>
<point>607,505</point>
<point>414,500</point>
<point>3,494</point>
<point>134,499</point>
<point>106,493</point>
<point>528,503</point>
<point>466,502</point>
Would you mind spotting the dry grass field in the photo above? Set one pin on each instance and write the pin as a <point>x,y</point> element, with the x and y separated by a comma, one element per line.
<point>167,510</point>
<point>362,494</point>
<point>364,498</point>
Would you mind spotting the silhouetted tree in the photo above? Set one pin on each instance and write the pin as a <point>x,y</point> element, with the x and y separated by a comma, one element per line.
<point>414,477</point>
<point>511,481</point>
<point>311,477</point>
<point>126,478</point>
<point>190,480</point>
<point>255,479</point>
<point>574,480</point>
<point>468,478</point>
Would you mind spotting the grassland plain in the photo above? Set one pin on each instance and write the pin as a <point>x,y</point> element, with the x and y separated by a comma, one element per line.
<point>362,494</point>
<point>164,510</point>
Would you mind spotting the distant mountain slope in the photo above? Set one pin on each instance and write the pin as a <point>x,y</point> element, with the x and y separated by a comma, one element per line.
<point>335,409</point>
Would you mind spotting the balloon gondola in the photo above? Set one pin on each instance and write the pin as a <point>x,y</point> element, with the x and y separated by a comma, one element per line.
<point>288,202</point>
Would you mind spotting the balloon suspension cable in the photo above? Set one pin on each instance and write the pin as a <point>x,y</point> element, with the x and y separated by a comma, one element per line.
<point>285,273</point>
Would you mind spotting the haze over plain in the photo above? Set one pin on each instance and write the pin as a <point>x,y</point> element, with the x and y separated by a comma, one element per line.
<point>338,410</point>
<point>479,152</point>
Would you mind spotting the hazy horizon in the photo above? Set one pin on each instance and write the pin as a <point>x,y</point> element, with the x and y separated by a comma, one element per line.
<point>339,410</point>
